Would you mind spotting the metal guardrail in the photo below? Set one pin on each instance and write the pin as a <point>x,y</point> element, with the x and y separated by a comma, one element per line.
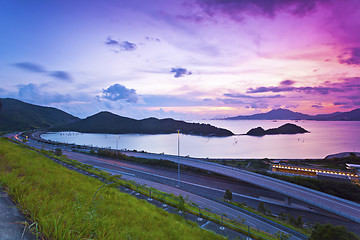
<point>355,219</point>
<point>221,219</point>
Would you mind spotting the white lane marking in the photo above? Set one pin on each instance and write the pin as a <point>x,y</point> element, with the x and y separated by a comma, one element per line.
<point>168,178</point>
<point>202,226</point>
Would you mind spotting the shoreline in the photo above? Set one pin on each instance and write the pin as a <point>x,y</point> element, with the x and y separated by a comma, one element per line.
<point>37,136</point>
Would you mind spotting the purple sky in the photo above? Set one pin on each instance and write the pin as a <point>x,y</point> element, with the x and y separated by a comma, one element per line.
<point>185,59</point>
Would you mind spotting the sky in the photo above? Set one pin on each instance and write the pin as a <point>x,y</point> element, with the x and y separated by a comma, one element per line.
<point>186,59</point>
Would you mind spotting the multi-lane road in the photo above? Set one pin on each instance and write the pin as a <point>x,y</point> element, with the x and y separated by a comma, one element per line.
<point>335,205</point>
<point>195,185</point>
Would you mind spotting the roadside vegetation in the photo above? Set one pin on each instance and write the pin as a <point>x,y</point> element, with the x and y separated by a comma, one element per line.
<point>63,205</point>
<point>286,220</point>
<point>332,163</point>
<point>349,191</point>
<point>330,232</point>
<point>313,231</point>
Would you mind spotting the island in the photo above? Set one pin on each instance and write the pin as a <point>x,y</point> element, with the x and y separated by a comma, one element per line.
<point>287,128</point>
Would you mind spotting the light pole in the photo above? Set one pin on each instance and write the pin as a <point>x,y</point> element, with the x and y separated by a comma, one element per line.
<point>178,158</point>
<point>117,151</point>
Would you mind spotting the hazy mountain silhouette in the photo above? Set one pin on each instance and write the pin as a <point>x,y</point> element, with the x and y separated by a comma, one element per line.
<point>284,114</point>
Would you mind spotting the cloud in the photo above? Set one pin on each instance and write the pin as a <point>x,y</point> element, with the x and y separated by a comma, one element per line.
<point>36,68</point>
<point>307,90</point>
<point>31,67</point>
<point>32,93</point>
<point>259,105</point>
<point>287,82</point>
<point>269,8</point>
<point>340,103</point>
<point>61,75</point>
<point>152,39</point>
<point>250,101</point>
<point>317,106</point>
<point>111,42</point>
<point>350,56</point>
<point>180,72</point>
<point>120,46</point>
<point>237,95</point>
<point>119,92</point>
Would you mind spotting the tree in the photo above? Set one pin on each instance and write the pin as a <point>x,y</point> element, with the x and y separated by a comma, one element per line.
<point>181,206</point>
<point>282,216</point>
<point>282,236</point>
<point>292,220</point>
<point>58,151</point>
<point>228,195</point>
<point>261,208</point>
<point>299,222</point>
<point>330,232</point>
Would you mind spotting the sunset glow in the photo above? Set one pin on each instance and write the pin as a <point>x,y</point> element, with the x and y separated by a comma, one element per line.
<point>185,59</point>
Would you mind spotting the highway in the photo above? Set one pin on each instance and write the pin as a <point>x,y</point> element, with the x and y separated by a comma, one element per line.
<point>142,175</point>
<point>339,206</point>
<point>165,179</point>
<point>195,184</point>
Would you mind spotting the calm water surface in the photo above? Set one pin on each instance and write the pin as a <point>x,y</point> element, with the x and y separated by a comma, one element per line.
<point>324,138</point>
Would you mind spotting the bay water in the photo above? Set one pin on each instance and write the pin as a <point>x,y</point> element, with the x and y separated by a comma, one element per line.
<point>325,137</point>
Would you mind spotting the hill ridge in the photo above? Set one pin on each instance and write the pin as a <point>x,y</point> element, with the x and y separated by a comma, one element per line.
<point>102,123</point>
<point>286,114</point>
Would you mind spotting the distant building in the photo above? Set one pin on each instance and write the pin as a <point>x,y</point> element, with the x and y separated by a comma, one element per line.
<point>314,171</point>
<point>355,168</point>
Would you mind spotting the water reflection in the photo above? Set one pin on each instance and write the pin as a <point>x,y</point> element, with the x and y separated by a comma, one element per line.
<point>325,138</point>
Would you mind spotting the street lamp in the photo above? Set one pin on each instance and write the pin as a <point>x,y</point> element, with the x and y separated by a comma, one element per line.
<point>178,158</point>
<point>117,150</point>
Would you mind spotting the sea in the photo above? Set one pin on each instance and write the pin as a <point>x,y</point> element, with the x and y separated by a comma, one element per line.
<point>324,138</point>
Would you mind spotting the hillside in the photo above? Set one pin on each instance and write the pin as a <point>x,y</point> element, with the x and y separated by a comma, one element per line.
<point>16,115</point>
<point>284,114</point>
<point>106,122</point>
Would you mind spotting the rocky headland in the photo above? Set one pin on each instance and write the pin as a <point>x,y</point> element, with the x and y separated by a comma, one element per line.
<point>287,128</point>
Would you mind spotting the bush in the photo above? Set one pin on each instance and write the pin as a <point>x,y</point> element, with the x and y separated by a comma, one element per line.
<point>58,151</point>
<point>330,232</point>
<point>261,208</point>
<point>228,195</point>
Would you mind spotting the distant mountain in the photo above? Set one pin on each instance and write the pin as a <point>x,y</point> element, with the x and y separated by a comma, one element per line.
<point>284,114</point>
<point>16,115</point>
<point>353,115</point>
<point>278,114</point>
<point>287,128</point>
<point>106,122</point>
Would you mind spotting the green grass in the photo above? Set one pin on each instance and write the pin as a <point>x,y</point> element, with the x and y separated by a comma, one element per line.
<point>61,203</point>
<point>169,199</point>
<point>305,231</point>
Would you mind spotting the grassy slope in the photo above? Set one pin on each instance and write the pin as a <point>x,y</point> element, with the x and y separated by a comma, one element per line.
<point>60,201</point>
